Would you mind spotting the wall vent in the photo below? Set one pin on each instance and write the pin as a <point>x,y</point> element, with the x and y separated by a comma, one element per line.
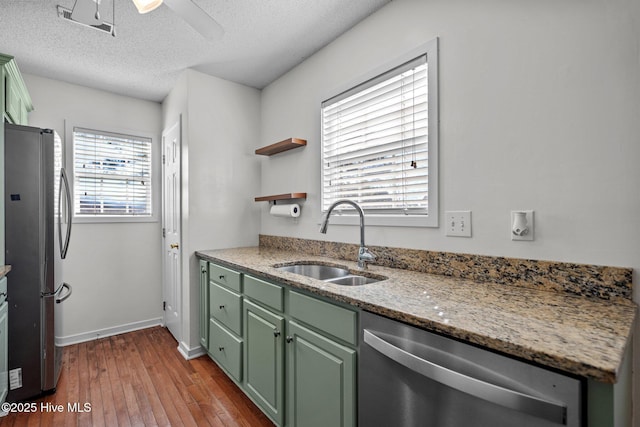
<point>65,13</point>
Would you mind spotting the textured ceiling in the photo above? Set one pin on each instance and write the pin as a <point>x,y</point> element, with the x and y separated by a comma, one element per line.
<point>263,39</point>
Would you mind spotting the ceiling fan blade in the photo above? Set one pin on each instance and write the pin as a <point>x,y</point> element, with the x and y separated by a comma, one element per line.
<point>197,18</point>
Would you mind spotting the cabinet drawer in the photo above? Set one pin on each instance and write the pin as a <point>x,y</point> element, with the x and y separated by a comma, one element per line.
<point>223,276</point>
<point>226,307</point>
<point>264,292</point>
<point>337,321</point>
<point>226,349</point>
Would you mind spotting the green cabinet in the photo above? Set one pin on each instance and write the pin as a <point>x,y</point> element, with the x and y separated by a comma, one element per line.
<point>224,318</point>
<point>321,380</point>
<point>226,349</point>
<point>16,101</point>
<point>204,305</point>
<point>321,359</point>
<point>264,359</point>
<point>14,106</point>
<point>225,277</point>
<point>226,307</point>
<point>292,353</point>
<point>4,363</point>
<point>10,82</point>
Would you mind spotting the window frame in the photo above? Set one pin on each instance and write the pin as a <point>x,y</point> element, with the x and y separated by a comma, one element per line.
<point>348,217</point>
<point>155,171</point>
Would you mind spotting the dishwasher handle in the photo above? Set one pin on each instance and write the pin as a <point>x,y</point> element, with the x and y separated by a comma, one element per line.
<point>532,405</point>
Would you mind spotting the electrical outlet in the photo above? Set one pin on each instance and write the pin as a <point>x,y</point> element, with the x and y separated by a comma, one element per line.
<point>522,225</point>
<point>458,223</point>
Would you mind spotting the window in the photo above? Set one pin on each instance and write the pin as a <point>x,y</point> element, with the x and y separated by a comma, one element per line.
<point>379,144</point>
<point>111,174</point>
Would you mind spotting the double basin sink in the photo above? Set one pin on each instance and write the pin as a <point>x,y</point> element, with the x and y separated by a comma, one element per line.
<point>330,274</point>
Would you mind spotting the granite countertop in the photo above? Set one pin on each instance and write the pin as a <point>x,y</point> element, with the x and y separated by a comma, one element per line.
<point>582,336</point>
<point>4,270</point>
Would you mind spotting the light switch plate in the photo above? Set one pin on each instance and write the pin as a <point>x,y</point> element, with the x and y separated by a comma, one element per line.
<point>458,223</point>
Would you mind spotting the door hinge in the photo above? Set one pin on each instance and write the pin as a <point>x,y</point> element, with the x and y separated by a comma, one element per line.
<point>164,159</point>
<point>164,306</point>
<point>164,232</point>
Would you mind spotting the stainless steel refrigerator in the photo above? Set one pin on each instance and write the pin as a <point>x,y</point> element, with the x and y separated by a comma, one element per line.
<point>37,232</point>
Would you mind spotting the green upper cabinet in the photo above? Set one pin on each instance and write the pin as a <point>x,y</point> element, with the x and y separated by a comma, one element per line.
<point>17,101</point>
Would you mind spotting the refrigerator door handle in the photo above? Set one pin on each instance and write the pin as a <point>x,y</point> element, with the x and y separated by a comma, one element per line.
<point>58,291</point>
<point>63,180</point>
<point>53,293</point>
<point>59,298</point>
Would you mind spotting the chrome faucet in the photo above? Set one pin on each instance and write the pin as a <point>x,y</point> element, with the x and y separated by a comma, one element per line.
<point>364,256</point>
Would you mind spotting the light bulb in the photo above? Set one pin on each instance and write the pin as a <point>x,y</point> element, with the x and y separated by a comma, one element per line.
<point>145,6</point>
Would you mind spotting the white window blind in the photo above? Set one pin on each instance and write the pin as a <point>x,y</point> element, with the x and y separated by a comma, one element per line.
<point>112,174</point>
<point>375,143</point>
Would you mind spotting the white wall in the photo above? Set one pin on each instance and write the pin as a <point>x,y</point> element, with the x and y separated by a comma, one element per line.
<point>539,108</point>
<point>220,176</point>
<point>114,268</point>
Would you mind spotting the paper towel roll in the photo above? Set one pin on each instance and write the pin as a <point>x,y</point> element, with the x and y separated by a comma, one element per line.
<point>292,210</point>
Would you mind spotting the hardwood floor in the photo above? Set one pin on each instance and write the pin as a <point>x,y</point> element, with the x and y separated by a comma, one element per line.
<point>139,379</point>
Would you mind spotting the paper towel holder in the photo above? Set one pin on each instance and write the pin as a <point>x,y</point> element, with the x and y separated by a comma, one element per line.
<point>287,210</point>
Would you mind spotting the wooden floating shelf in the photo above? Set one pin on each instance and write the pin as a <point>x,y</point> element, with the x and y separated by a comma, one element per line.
<point>279,147</point>
<point>286,196</point>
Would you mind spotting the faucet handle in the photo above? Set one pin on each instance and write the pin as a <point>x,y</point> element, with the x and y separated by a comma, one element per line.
<point>364,256</point>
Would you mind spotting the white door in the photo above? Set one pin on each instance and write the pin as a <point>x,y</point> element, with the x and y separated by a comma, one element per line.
<point>171,216</point>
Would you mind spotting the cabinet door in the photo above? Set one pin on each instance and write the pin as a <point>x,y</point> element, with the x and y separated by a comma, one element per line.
<point>264,359</point>
<point>4,371</point>
<point>13,103</point>
<point>321,380</point>
<point>204,305</point>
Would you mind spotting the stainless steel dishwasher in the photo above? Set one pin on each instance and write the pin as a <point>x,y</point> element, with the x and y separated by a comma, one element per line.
<point>410,377</point>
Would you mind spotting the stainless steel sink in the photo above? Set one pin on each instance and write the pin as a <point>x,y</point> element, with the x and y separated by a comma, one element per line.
<point>352,280</point>
<point>317,271</point>
<point>332,274</point>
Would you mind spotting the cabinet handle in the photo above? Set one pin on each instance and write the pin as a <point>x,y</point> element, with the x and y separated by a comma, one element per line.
<point>289,339</point>
<point>220,348</point>
<point>276,333</point>
<point>221,277</point>
<point>221,307</point>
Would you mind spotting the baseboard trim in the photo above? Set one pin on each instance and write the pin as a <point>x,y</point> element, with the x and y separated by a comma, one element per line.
<point>190,353</point>
<point>107,332</point>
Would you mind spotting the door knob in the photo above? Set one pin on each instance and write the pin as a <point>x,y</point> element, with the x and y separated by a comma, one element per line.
<point>174,246</point>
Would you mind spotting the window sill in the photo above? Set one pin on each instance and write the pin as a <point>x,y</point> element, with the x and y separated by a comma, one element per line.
<point>385,220</point>
<point>112,219</point>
